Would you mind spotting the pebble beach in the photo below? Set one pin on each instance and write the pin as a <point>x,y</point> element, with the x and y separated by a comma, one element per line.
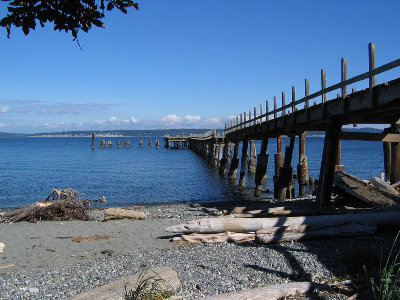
<point>40,260</point>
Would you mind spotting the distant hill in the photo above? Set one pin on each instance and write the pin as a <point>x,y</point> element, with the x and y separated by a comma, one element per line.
<point>152,133</point>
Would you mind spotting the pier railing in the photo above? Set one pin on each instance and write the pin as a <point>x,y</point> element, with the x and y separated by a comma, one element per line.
<point>242,121</point>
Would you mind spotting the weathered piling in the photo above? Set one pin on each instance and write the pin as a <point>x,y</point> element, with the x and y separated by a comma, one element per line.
<point>128,144</point>
<point>338,164</point>
<point>302,167</point>
<point>103,144</point>
<point>245,148</point>
<point>278,157</point>
<point>328,163</point>
<point>141,143</point>
<point>387,159</point>
<point>220,152</point>
<point>92,140</point>
<point>261,170</point>
<point>285,173</point>
<point>224,159</point>
<point>149,143</point>
<point>234,162</point>
<point>109,143</point>
<point>395,157</point>
<point>252,158</point>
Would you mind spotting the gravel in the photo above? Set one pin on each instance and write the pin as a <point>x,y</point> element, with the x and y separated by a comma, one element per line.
<point>205,269</point>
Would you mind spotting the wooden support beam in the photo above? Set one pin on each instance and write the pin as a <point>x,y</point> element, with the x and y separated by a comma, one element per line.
<point>302,167</point>
<point>245,148</point>
<point>395,158</point>
<point>372,65</point>
<point>275,113</point>
<point>261,170</point>
<point>293,98</point>
<point>278,157</point>
<point>387,159</point>
<point>323,84</point>
<point>370,136</point>
<point>92,140</point>
<point>286,172</point>
<point>283,103</point>
<point>234,162</point>
<point>307,92</point>
<point>328,163</point>
<point>338,164</point>
<point>252,158</point>
<point>224,160</point>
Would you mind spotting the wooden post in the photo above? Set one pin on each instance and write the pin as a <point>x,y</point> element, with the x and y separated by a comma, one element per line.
<point>255,115</point>
<point>224,160</point>
<point>245,148</point>
<point>372,64</point>
<point>261,170</point>
<point>283,104</point>
<point>252,158</point>
<point>266,111</point>
<point>344,77</point>
<point>328,163</point>
<point>387,160</point>
<point>220,152</point>
<point>244,119</point>
<point>307,92</point>
<point>293,98</point>
<point>278,157</point>
<point>302,167</point>
<point>92,140</point>
<point>234,162</point>
<point>275,113</point>
<point>395,158</point>
<point>338,164</point>
<point>323,84</point>
<point>261,119</point>
<point>286,172</point>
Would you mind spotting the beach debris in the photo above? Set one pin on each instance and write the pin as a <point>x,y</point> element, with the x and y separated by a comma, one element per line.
<point>33,290</point>
<point>382,184</point>
<point>283,229</point>
<point>371,194</point>
<point>107,251</point>
<point>2,247</point>
<point>81,256</point>
<point>7,266</point>
<point>116,290</point>
<point>79,239</point>
<point>269,292</point>
<point>60,205</point>
<point>122,213</point>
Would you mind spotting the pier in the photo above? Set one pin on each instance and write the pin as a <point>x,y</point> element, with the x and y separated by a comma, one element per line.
<point>377,104</point>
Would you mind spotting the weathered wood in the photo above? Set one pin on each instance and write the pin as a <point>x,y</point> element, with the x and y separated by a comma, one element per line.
<point>234,162</point>
<point>323,84</point>
<point>224,160</point>
<point>261,170</point>
<point>344,77</point>
<point>285,172</point>
<point>383,185</point>
<point>395,158</point>
<point>2,247</point>
<point>367,193</point>
<point>213,238</point>
<point>304,232</point>
<point>372,65</point>
<point>92,146</point>
<point>245,147</point>
<point>278,157</point>
<point>328,163</point>
<point>387,160</point>
<point>252,158</point>
<point>114,213</point>
<point>302,167</point>
<point>116,289</point>
<point>267,292</point>
<point>222,224</point>
<point>79,239</point>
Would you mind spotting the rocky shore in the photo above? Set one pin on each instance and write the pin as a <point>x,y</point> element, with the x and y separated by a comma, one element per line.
<point>40,260</point>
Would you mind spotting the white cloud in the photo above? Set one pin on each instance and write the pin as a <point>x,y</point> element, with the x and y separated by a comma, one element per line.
<point>134,120</point>
<point>125,121</point>
<point>4,109</point>
<point>112,119</point>
<point>172,119</point>
<point>192,119</point>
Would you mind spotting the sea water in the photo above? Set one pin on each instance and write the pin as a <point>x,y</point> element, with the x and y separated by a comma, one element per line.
<point>31,167</point>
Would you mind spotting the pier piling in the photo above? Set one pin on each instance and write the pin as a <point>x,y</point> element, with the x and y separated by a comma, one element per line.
<point>234,162</point>
<point>261,170</point>
<point>245,148</point>
<point>302,167</point>
<point>278,157</point>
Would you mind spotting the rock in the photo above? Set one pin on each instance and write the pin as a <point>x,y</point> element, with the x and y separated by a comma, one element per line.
<point>33,290</point>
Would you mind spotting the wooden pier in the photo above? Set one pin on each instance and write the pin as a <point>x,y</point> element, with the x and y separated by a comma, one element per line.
<point>377,104</point>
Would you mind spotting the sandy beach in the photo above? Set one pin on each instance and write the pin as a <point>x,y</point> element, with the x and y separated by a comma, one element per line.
<point>41,260</point>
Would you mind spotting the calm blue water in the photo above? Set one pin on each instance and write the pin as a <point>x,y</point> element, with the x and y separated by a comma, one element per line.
<point>31,167</point>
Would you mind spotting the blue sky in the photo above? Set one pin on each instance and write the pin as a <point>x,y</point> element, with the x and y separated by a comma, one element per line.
<point>186,64</point>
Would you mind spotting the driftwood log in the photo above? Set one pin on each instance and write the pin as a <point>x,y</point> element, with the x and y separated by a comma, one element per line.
<point>383,185</point>
<point>218,225</point>
<point>303,232</point>
<point>215,238</point>
<point>121,213</point>
<point>363,191</point>
<point>58,206</point>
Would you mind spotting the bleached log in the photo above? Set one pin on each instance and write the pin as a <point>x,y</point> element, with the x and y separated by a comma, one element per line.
<point>383,185</point>
<point>215,238</point>
<point>116,290</point>
<point>303,232</point>
<point>362,190</point>
<point>2,247</point>
<point>216,225</point>
<point>267,292</point>
<point>121,213</point>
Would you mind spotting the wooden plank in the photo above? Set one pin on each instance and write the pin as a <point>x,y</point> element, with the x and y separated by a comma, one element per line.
<point>369,136</point>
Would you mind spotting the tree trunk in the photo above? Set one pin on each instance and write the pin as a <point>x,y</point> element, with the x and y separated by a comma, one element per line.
<point>215,238</point>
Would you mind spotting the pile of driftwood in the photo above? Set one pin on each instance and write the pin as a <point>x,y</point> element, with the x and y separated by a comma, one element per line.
<point>280,224</point>
<point>58,206</point>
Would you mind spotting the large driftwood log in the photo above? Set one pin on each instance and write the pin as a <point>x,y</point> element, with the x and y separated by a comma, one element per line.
<point>303,232</point>
<point>116,290</point>
<point>217,225</point>
<point>2,247</point>
<point>368,193</point>
<point>215,238</point>
<point>121,213</point>
<point>268,292</point>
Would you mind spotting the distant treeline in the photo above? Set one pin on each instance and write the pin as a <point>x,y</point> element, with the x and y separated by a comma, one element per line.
<point>154,133</point>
